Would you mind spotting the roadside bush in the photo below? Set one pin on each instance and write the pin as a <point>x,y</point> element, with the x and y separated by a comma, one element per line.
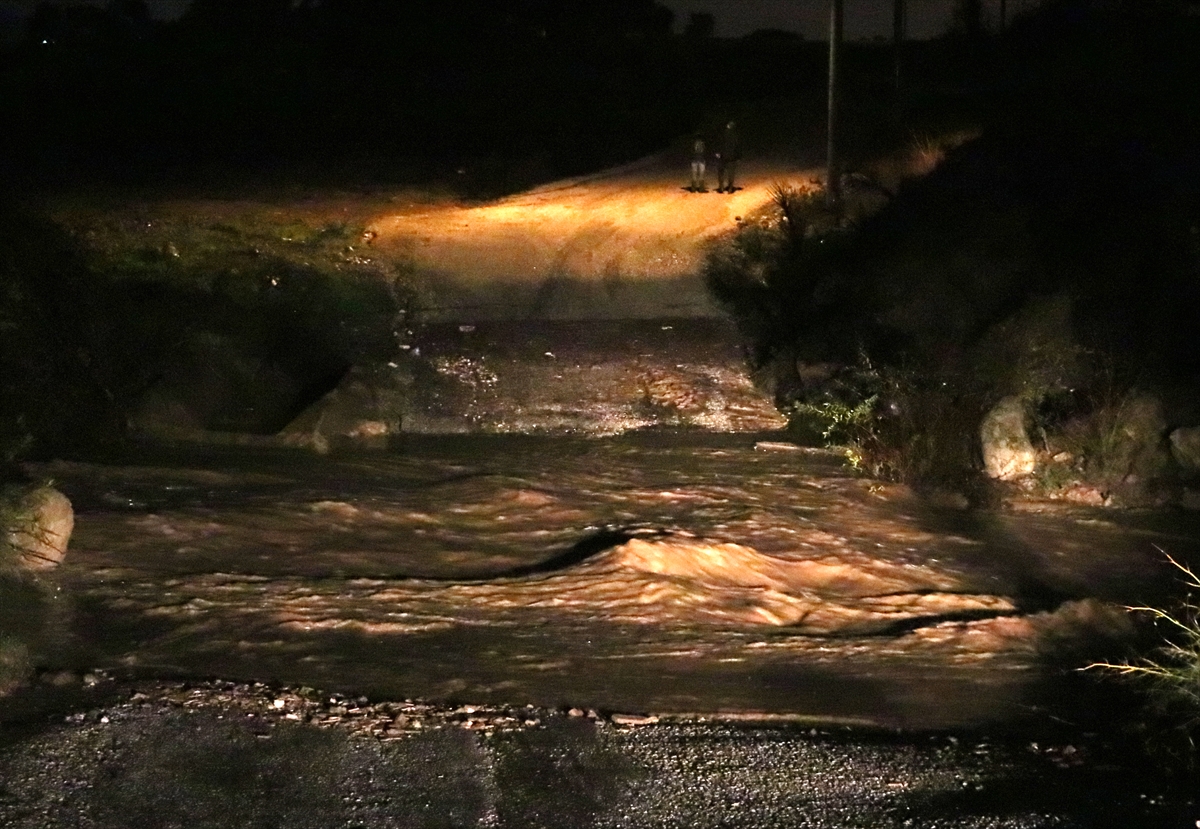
<point>748,274</point>
<point>772,276</point>
<point>922,154</point>
<point>57,384</point>
<point>1012,269</point>
<point>896,425</point>
<point>1169,674</point>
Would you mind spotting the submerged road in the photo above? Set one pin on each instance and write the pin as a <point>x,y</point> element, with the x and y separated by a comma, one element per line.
<point>393,574</point>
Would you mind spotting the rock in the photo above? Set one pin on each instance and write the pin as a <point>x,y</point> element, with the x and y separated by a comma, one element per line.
<point>366,409</point>
<point>1007,452</point>
<point>41,528</point>
<point>777,446</point>
<point>1185,448</point>
<point>1136,450</point>
<point>1081,493</point>
<point>218,383</point>
<point>60,679</point>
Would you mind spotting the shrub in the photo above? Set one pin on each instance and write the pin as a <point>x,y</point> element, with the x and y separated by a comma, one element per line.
<point>1166,722</point>
<point>895,425</point>
<point>845,425</point>
<point>1171,671</point>
<point>771,276</point>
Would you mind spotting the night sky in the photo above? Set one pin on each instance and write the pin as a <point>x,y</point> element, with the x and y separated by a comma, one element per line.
<point>864,18</point>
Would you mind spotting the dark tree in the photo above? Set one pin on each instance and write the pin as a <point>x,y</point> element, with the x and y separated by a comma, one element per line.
<point>968,16</point>
<point>238,19</point>
<point>700,26</point>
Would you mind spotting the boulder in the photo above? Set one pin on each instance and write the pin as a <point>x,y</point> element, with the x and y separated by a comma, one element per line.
<point>218,383</point>
<point>40,528</point>
<point>1185,448</point>
<point>1007,451</point>
<point>365,410</point>
<point>1136,448</point>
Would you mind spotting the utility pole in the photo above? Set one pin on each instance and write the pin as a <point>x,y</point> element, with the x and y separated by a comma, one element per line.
<point>899,35</point>
<point>833,183</point>
<point>1003,15</point>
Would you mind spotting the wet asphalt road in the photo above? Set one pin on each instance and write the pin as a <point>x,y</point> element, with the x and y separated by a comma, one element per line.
<point>130,759</point>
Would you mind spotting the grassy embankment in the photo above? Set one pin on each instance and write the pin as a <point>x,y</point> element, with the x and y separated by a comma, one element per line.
<point>1168,674</point>
<point>1052,258</point>
<point>239,314</point>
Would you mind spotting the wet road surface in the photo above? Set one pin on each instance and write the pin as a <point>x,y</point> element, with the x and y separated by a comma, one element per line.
<point>217,755</point>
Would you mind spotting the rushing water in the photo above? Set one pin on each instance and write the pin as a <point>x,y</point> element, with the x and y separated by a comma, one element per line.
<point>662,571</point>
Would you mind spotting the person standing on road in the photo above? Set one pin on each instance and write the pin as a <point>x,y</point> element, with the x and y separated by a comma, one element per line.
<point>698,164</point>
<point>727,159</point>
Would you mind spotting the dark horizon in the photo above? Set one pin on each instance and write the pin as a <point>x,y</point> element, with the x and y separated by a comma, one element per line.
<point>865,19</point>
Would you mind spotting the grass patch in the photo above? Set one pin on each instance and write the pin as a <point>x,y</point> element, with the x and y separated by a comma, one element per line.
<point>1168,677</point>
<point>211,244</point>
<point>1171,672</point>
<point>253,311</point>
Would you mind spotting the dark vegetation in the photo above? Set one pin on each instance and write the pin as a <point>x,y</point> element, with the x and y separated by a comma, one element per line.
<point>246,332</point>
<point>246,319</point>
<point>1055,258</point>
<point>506,93</point>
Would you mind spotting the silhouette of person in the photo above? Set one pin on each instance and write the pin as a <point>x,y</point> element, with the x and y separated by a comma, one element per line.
<point>698,165</point>
<point>727,159</point>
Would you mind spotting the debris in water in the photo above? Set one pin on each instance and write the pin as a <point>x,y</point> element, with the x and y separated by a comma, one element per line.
<point>777,446</point>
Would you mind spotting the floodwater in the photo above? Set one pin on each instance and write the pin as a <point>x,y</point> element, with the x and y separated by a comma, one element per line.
<point>529,508</point>
<point>662,570</point>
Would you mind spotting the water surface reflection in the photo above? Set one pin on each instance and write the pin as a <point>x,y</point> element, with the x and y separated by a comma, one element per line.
<point>656,571</point>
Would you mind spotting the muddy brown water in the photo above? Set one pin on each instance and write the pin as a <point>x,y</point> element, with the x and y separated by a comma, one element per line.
<point>669,571</point>
<point>605,526</point>
<point>579,513</point>
<point>604,532</point>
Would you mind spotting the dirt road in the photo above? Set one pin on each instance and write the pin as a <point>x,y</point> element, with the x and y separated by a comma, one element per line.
<point>622,243</point>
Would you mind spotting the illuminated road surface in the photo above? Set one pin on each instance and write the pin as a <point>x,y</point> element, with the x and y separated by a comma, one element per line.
<point>623,243</point>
